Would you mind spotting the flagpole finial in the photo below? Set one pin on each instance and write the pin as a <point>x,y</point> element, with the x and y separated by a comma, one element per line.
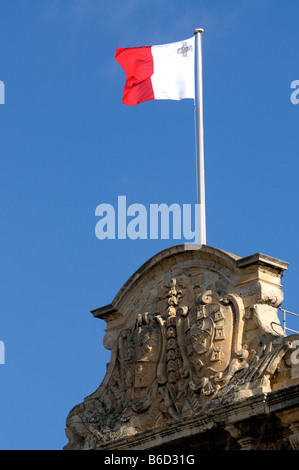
<point>198,30</point>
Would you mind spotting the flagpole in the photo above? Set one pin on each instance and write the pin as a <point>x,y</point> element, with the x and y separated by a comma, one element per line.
<point>200,141</point>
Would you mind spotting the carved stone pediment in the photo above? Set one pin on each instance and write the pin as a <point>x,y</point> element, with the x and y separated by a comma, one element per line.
<point>194,328</point>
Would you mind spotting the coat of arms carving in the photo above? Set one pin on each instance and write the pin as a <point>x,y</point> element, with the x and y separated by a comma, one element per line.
<point>210,338</point>
<point>189,333</point>
<point>168,364</point>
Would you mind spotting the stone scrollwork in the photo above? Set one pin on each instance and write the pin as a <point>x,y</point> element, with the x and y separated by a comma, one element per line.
<point>190,332</point>
<point>170,364</point>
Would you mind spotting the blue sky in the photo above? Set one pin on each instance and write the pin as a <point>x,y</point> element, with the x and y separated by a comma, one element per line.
<point>68,144</point>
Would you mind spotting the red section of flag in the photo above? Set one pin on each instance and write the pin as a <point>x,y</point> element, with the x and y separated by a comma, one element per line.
<point>138,65</point>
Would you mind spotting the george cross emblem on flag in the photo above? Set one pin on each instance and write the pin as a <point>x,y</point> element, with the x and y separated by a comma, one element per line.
<point>184,49</point>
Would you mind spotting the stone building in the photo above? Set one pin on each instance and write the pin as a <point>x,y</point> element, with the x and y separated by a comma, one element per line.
<point>199,360</point>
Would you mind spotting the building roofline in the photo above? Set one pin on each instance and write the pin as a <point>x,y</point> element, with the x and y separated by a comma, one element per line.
<point>232,259</point>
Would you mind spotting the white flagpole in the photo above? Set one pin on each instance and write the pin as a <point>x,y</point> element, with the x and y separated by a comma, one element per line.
<point>200,142</point>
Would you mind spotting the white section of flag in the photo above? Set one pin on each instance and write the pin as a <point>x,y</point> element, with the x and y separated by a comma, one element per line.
<point>174,70</point>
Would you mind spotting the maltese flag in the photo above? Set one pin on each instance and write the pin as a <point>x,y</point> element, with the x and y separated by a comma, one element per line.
<point>164,72</point>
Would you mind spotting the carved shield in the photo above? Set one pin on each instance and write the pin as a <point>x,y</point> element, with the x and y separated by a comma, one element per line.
<point>209,339</point>
<point>139,352</point>
<point>206,333</point>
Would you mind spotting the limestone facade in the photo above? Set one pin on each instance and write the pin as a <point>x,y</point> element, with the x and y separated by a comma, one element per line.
<point>198,358</point>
